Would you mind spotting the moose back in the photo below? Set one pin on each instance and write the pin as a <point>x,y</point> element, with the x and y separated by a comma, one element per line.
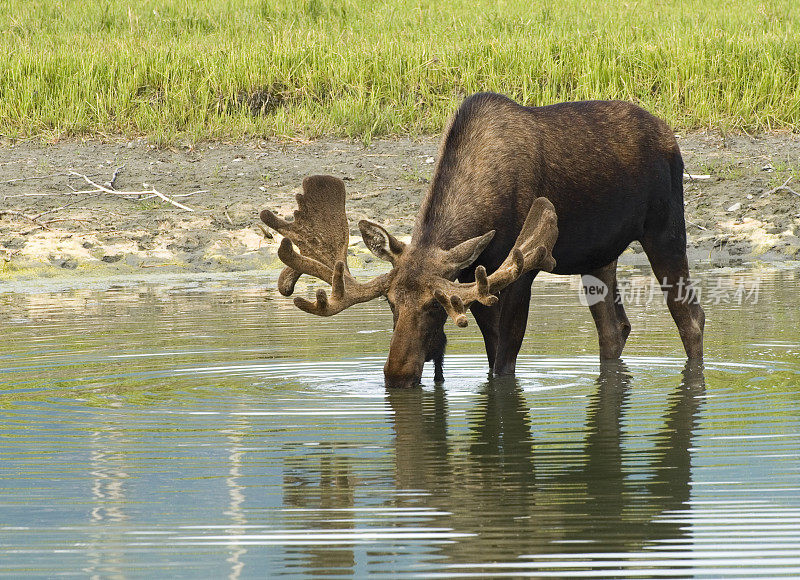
<point>563,188</point>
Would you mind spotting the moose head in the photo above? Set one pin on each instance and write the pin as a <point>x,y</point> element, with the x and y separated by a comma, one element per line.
<point>421,287</point>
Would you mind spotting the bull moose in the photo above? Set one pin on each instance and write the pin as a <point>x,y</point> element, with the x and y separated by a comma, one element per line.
<point>563,188</point>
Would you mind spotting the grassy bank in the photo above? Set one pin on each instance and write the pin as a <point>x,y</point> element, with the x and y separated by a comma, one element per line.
<point>190,70</point>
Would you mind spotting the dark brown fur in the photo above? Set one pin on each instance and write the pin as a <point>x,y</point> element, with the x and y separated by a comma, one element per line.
<point>612,171</point>
<point>512,186</point>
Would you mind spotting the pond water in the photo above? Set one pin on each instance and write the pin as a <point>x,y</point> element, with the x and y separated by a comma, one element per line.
<point>206,428</point>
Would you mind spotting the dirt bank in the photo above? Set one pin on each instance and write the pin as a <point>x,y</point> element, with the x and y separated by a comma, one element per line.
<point>52,219</point>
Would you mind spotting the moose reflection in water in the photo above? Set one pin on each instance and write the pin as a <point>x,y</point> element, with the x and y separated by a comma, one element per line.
<point>553,497</point>
<point>319,485</point>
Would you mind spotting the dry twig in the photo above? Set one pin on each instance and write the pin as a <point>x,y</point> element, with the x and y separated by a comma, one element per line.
<point>33,177</point>
<point>784,187</point>
<point>114,176</point>
<point>690,222</point>
<point>151,192</point>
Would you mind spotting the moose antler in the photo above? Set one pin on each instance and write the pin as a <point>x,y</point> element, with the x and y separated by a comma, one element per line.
<point>531,251</point>
<point>321,233</point>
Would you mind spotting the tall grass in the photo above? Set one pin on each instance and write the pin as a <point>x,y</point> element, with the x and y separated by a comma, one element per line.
<point>191,70</point>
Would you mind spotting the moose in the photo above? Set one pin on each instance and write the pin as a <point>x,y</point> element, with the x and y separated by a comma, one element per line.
<point>563,188</point>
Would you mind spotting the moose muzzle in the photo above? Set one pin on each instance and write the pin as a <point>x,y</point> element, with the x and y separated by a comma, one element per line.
<point>403,368</point>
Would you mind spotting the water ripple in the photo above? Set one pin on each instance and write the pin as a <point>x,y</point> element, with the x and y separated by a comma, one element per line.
<point>203,430</point>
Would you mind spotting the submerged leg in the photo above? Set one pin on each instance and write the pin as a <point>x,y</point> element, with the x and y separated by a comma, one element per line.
<point>622,317</point>
<point>672,271</point>
<point>488,319</point>
<point>438,369</point>
<point>514,303</point>
<point>609,315</point>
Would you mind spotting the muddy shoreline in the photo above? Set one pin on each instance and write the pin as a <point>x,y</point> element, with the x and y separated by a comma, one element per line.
<point>53,221</point>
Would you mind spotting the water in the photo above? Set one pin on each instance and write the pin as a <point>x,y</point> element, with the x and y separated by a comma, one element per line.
<point>206,428</point>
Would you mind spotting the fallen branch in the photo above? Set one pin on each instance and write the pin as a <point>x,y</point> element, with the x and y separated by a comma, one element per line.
<point>151,192</point>
<point>18,179</point>
<point>784,187</point>
<point>114,176</point>
<point>690,222</point>
<point>191,193</point>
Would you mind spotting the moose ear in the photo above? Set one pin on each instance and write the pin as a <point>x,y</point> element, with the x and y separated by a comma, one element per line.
<point>467,252</point>
<point>380,242</point>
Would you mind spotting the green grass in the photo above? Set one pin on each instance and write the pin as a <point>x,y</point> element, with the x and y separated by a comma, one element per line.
<point>191,70</point>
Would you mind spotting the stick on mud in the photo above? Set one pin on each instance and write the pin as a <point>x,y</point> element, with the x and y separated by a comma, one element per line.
<point>152,191</point>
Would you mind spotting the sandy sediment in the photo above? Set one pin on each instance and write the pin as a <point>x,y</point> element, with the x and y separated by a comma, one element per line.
<point>52,221</point>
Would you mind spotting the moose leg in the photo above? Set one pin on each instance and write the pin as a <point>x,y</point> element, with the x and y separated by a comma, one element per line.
<point>672,271</point>
<point>438,368</point>
<point>514,304</point>
<point>609,315</point>
<point>488,319</point>
<point>622,318</point>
